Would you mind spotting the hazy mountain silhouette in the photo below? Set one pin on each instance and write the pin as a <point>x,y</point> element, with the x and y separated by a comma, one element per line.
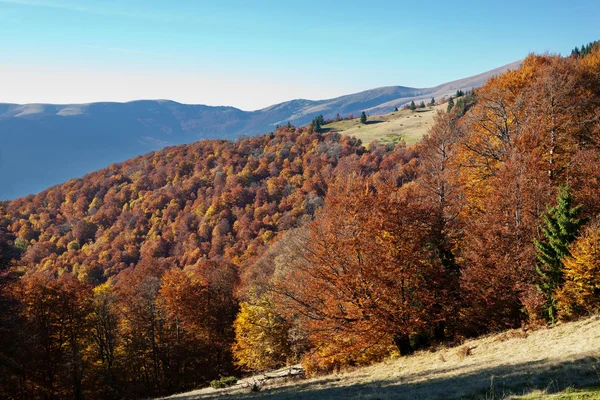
<point>44,144</point>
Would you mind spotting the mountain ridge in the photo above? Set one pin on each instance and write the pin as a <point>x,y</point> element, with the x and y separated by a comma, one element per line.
<point>91,136</point>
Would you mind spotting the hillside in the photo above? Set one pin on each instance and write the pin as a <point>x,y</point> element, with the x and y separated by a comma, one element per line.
<point>163,273</point>
<point>406,125</point>
<point>67,141</point>
<point>506,365</point>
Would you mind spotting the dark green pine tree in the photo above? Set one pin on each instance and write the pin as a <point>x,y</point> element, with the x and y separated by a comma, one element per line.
<point>432,102</point>
<point>317,123</point>
<point>395,108</point>
<point>413,106</point>
<point>363,118</point>
<point>560,231</point>
<point>450,104</point>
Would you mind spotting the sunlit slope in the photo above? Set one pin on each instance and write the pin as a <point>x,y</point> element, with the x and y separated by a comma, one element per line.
<point>558,363</point>
<point>406,125</point>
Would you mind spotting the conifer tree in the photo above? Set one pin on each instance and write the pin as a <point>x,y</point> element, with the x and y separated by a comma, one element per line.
<point>432,102</point>
<point>317,123</point>
<point>395,108</point>
<point>422,105</point>
<point>450,104</point>
<point>363,118</point>
<point>413,106</point>
<point>561,230</point>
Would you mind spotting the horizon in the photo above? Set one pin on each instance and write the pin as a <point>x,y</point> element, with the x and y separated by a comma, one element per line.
<point>259,109</point>
<point>253,56</point>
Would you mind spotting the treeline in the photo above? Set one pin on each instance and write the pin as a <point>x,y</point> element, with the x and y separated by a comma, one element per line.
<point>199,261</point>
<point>585,49</point>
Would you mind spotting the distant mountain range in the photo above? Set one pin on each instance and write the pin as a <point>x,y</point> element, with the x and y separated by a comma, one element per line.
<point>45,144</point>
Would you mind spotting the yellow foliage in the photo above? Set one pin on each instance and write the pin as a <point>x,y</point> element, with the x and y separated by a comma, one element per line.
<point>261,336</point>
<point>580,293</point>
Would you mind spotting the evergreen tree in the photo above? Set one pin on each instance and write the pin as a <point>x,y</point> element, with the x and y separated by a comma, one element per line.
<point>413,106</point>
<point>363,118</point>
<point>422,105</point>
<point>450,104</point>
<point>575,52</point>
<point>395,108</point>
<point>460,106</point>
<point>560,231</point>
<point>317,123</point>
<point>432,102</point>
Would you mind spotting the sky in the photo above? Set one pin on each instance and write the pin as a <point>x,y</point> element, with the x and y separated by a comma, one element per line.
<point>252,54</point>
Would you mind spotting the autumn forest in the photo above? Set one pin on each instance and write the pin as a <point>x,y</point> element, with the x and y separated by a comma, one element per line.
<point>219,258</point>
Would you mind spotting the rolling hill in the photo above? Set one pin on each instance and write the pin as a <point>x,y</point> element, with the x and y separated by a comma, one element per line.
<point>68,141</point>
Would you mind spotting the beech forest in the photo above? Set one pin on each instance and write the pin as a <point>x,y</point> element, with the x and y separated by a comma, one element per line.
<point>220,258</point>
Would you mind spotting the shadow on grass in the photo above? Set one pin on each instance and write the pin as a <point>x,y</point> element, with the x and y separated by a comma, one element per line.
<point>487,383</point>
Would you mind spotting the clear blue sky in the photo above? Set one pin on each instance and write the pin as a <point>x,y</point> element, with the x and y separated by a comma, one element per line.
<point>251,54</point>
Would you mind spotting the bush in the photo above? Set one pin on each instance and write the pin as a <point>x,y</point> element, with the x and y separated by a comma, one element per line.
<point>217,384</point>
<point>223,382</point>
<point>229,381</point>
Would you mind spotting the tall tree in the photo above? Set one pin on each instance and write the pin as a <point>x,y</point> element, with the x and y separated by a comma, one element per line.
<point>561,229</point>
<point>363,118</point>
<point>450,104</point>
<point>372,279</point>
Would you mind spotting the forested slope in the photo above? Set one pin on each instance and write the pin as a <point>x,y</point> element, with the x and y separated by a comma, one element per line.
<point>204,260</point>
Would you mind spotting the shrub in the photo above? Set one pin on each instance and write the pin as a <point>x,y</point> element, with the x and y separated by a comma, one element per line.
<point>223,382</point>
<point>229,381</point>
<point>217,384</point>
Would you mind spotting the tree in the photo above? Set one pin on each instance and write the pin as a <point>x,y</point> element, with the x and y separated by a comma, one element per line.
<point>372,280</point>
<point>56,312</point>
<point>363,118</point>
<point>104,323</point>
<point>317,123</point>
<point>450,104</point>
<point>560,231</point>
<point>395,108</point>
<point>432,102</point>
<point>438,179</point>
<point>422,105</point>
<point>412,106</point>
<point>580,293</point>
<point>261,336</point>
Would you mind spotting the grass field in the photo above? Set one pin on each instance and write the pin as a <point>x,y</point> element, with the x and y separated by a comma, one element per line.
<point>562,362</point>
<point>406,125</point>
<point>567,394</point>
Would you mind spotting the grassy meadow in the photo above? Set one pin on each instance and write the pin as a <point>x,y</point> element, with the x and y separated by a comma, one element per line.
<point>562,362</point>
<point>406,125</point>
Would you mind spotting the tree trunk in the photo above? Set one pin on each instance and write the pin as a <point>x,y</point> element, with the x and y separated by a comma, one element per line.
<point>402,342</point>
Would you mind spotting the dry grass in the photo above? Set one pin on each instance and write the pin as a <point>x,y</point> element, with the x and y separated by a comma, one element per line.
<point>463,352</point>
<point>400,125</point>
<point>535,363</point>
